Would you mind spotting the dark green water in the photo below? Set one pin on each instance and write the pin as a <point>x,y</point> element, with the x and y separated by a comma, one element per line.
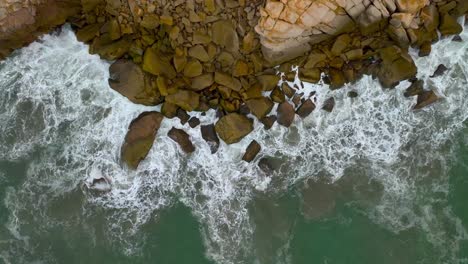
<point>372,182</point>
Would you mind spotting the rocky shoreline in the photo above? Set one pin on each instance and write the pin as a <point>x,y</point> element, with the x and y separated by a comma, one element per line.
<point>236,56</point>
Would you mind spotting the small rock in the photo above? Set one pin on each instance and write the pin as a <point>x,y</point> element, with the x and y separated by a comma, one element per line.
<point>209,135</point>
<point>329,104</point>
<point>268,82</point>
<point>457,38</point>
<point>426,98</point>
<point>441,69</point>
<point>182,138</point>
<point>268,121</point>
<point>252,151</point>
<point>352,94</point>
<point>306,108</point>
<point>194,122</point>
<point>183,116</point>
<point>201,82</point>
<point>415,88</point>
<point>285,114</point>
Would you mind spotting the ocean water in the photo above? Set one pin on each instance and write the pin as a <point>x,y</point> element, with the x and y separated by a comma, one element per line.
<point>371,182</point>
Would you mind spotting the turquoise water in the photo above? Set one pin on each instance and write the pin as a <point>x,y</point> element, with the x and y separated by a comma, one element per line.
<point>371,182</point>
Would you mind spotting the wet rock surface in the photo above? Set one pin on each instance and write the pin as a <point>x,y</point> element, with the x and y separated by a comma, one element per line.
<point>140,137</point>
<point>182,138</point>
<point>237,57</point>
<point>252,151</point>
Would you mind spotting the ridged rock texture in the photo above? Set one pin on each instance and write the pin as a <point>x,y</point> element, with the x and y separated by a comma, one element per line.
<point>288,28</point>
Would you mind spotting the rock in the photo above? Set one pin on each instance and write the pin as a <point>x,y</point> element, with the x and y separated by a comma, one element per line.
<point>181,138</point>
<point>449,26</point>
<point>352,94</point>
<point>193,69</point>
<point>268,82</point>
<point>198,52</point>
<point>310,75</point>
<point>187,100</point>
<point>201,82</point>
<point>225,35</point>
<point>233,127</point>
<point>337,79</point>
<point>457,38</point>
<point>441,69</point>
<point>252,151</point>
<point>150,21</point>
<point>341,43</point>
<point>268,121</point>
<point>129,80</point>
<point>426,98</point>
<point>110,50</point>
<point>169,110</point>
<point>306,108</point>
<point>140,137</point>
<point>285,114</point>
<point>329,104</point>
<point>194,122</point>
<point>277,95</point>
<point>228,81</point>
<point>183,116</point>
<point>288,91</point>
<point>209,135</point>
<point>260,107</point>
<point>396,66</point>
<point>415,88</point>
<point>156,63</point>
<point>88,33</point>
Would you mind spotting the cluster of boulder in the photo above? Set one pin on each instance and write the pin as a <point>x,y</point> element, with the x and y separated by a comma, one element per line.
<point>237,56</point>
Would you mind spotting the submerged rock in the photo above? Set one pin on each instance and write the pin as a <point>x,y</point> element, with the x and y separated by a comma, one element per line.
<point>318,200</point>
<point>441,69</point>
<point>140,137</point>
<point>182,138</point>
<point>233,127</point>
<point>415,88</point>
<point>426,98</point>
<point>329,104</point>
<point>252,151</point>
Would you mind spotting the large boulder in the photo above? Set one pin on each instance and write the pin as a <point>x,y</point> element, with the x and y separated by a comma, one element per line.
<point>140,137</point>
<point>128,79</point>
<point>233,127</point>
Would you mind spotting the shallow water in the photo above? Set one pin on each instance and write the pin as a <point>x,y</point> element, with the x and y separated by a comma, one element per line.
<point>371,182</point>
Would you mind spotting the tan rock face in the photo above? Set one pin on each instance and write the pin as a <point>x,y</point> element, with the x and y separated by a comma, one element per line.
<point>288,27</point>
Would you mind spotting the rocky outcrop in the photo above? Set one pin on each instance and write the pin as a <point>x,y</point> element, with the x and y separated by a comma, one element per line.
<point>22,22</point>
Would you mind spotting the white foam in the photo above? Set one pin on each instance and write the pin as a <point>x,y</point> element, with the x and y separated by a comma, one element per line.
<point>79,123</point>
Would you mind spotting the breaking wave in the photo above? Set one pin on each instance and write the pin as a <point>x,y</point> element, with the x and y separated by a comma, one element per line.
<point>57,110</point>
